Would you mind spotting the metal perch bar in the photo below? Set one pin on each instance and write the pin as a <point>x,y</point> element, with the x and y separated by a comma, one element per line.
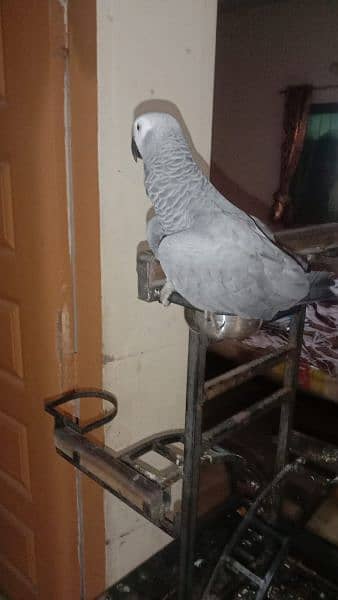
<point>221,384</point>
<point>244,417</point>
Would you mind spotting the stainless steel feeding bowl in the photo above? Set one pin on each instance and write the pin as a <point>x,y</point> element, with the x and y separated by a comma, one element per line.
<point>221,326</point>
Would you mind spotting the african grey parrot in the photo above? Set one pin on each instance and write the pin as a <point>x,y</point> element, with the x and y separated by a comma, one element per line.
<point>216,256</point>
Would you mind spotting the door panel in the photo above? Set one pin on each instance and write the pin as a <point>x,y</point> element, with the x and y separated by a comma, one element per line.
<point>38,519</point>
<point>14,465</point>
<point>6,206</point>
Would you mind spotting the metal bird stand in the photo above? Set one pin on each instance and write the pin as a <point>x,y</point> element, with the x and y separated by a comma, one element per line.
<point>198,392</point>
<point>127,474</point>
<point>194,441</point>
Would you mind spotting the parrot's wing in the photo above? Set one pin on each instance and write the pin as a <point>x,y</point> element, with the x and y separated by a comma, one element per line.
<point>227,267</point>
<point>232,211</point>
<point>154,233</point>
<point>228,208</point>
<point>263,227</point>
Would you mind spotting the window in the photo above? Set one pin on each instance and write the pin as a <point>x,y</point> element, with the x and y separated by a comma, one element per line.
<point>314,189</point>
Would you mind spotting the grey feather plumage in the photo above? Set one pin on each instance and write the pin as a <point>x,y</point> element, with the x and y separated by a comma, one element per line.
<point>216,256</point>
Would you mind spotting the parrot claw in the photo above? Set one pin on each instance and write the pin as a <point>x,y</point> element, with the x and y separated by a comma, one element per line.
<point>166,292</point>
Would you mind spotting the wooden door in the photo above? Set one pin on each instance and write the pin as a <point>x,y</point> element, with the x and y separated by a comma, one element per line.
<point>39,540</point>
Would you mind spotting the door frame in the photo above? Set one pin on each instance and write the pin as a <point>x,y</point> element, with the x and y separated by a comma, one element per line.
<point>81,66</point>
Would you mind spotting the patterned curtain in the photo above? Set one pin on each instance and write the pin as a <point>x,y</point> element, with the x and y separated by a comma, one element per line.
<point>296,109</point>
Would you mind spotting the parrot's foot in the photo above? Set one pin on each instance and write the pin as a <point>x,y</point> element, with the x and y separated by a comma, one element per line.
<point>166,292</point>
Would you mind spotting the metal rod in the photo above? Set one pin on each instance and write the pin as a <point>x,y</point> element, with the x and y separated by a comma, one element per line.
<point>147,444</point>
<point>192,453</point>
<point>218,385</point>
<point>246,416</point>
<point>173,454</point>
<point>290,381</point>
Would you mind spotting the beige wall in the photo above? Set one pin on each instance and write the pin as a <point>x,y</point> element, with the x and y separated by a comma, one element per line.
<point>260,50</point>
<point>147,49</point>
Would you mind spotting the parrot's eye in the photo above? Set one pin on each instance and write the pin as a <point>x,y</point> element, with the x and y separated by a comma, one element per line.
<point>138,127</point>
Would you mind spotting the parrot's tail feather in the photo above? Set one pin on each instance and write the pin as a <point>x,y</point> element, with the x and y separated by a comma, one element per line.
<point>320,279</point>
<point>323,287</point>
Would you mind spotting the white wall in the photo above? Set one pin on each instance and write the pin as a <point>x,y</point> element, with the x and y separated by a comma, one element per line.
<point>147,49</point>
<point>260,50</point>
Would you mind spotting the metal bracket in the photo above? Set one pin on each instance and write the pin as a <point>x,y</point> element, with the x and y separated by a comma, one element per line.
<point>63,419</point>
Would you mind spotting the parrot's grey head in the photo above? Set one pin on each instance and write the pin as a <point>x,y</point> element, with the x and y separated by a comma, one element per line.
<point>150,133</point>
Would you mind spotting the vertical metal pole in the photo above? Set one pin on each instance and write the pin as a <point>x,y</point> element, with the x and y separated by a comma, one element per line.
<point>290,381</point>
<point>192,453</point>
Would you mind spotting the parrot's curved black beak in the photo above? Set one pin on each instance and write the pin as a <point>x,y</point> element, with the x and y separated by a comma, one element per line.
<point>134,150</point>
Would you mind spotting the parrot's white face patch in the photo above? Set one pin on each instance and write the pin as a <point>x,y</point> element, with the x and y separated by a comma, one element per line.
<point>160,125</point>
<point>142,125</point>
